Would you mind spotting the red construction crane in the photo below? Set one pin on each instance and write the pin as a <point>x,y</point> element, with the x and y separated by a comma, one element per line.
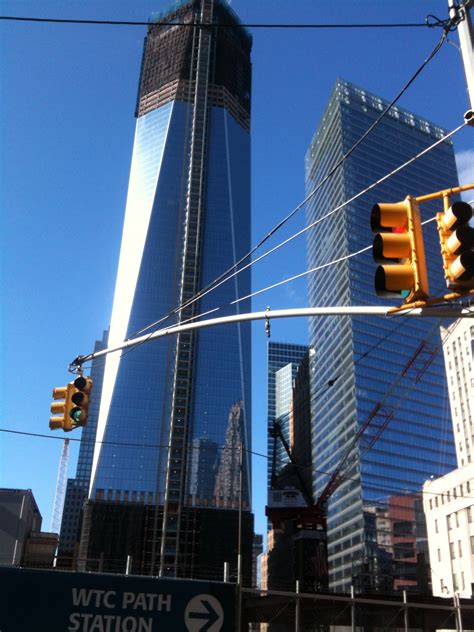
<point>368,433</point>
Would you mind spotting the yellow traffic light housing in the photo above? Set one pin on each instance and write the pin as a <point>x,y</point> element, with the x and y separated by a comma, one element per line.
<point>457,245</point>
<point>61,409</point>
<point>72,411</point>
<point>400,248</point>
<point>80,398</point>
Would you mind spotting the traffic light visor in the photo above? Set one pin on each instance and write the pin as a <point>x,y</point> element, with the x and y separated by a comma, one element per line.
<point>461,239</point>
<point>60,392</point>
<point>80,399</point>
<point>384,217</point>
<point>462,268</point>
<point>391,246</point>
<point>458,213</point>
<point>392,280</point>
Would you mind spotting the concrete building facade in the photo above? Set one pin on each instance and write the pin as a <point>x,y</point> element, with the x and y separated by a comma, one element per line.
<point>449,501</point>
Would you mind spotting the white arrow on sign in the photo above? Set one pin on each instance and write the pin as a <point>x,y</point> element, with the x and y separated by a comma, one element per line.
<point>204,614</point>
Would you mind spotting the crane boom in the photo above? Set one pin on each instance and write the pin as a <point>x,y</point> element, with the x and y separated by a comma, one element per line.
<point>60,488</point>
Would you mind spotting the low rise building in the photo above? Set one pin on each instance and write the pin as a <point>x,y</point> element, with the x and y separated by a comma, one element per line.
<point>22,543</point>
<point>448,501</point>
<point>449,508</point>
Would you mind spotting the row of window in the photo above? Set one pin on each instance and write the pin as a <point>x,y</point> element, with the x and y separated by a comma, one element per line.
<point>456,492</point>
<point>458,583</point>
<point>452,549</point>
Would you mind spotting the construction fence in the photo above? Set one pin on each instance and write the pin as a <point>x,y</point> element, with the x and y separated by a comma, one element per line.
<point>277,611</point>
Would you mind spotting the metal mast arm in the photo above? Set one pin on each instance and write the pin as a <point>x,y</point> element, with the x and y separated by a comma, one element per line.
<point>451,311</point>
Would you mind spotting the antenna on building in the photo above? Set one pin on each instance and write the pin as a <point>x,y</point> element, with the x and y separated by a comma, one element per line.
<point>60,488</point>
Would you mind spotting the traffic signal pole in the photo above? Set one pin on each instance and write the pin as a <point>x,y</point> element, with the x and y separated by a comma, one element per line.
<point>466,39</point>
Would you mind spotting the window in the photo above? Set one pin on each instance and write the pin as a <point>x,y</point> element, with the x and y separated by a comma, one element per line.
<point>439,555</point>
<point>403,551</point>
<point>459,548</point>
<point>436,526</point>
<point>452,550</point>
<point>402,528</point>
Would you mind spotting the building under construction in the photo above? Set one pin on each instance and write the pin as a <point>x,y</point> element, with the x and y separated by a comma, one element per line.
<point>172,434</point>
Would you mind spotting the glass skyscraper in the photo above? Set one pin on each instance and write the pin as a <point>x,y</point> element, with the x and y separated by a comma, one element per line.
<point>174,412</point>
<point>375,537</point>
<point>283,361</point>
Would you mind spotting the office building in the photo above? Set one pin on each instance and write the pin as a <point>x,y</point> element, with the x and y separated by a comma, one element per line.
<point>458,352</point>
<point>449,501</point>
<point>174,413</point>
<point>449,509</point>
<point>283,361</point>
<point>257,550</point>
<point>22,543</point>
<point>367,367</point>
<point>296,544</point>
<point>300,421</point>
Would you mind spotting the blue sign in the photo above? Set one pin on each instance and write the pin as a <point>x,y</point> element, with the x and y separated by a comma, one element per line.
<point>60,601</point>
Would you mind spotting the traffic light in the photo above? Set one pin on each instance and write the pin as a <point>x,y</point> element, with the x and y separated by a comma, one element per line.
<point>80,398</point>
<point>72,411</point>
<point>61,408</point>
<point>399,247</point>
<point>457,245</point>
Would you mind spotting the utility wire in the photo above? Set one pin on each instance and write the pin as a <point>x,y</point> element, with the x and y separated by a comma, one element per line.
<point>338,208</point>
<point>233,270</point>
<point>306,272</point>
<point>166,446</point>
<point>362,25</point>
<point>302,274</point>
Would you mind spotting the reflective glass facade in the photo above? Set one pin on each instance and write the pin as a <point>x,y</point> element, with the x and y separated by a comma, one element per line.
<point>367,355</point>
<point>283,361</point>
<point>187,220</point>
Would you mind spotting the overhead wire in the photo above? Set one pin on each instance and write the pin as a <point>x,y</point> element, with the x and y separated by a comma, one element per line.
<point>233,270</point>
<point>338,208</point>
<point>255,25</point>
<point>222,448</point>
<point>311,270</point>
<point>349,201</point>
<point>283,243</point>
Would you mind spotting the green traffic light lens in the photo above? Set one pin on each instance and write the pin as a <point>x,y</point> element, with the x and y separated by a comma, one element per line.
<point>75,414</point>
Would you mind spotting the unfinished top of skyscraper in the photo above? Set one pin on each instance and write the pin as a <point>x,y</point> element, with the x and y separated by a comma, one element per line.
<point>168,62</point>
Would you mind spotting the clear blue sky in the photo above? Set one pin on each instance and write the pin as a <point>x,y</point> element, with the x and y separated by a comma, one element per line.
<point>67,105</point>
